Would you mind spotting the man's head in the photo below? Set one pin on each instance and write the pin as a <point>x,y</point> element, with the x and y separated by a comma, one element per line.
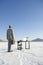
<point>9,26</point>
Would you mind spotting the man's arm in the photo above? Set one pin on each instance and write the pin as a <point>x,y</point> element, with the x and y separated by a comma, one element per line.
<point>12,34</point>
<point>7,34</point>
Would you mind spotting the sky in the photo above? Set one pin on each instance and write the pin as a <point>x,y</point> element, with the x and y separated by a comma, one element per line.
<point>25,17</point>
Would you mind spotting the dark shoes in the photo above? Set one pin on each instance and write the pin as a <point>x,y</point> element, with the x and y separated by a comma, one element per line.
<point>10,51</point>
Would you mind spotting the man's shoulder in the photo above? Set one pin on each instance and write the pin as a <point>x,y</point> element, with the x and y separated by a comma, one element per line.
<point>9,29</point>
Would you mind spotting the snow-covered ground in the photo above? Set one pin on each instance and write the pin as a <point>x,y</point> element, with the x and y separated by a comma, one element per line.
<point>32,56</point>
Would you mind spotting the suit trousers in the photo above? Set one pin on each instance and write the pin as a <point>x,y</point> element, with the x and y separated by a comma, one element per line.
<point>9,45</point>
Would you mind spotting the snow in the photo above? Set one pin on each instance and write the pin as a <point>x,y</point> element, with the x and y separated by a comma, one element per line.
<point>32,56</point>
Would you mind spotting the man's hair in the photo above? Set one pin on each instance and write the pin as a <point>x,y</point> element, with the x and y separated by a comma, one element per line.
<point>9,26</point>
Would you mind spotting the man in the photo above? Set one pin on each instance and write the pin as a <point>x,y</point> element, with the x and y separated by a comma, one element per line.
<point>10,37</point>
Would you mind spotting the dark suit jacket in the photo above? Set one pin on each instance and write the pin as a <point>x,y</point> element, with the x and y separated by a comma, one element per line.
<point>10,34</point>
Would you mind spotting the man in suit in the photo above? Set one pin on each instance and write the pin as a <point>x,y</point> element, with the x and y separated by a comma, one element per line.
<point>10,37</point>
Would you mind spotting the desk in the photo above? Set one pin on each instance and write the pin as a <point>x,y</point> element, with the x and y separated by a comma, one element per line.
<point>27,43</point>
